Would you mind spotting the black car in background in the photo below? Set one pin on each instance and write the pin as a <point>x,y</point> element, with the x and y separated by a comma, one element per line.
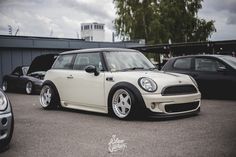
<point>214,74</point>
<point>29,79</point>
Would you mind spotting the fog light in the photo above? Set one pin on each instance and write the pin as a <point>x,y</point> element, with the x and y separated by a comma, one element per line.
<point>4,121</point>
<point>153,105</point>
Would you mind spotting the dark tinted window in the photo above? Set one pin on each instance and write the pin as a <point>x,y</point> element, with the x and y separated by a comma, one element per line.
<point>206,64</point>
<point>63,62</point>
<point>84,59</point>
<point>183,63</point>
<point>17,71</point>
<point>230,60</point>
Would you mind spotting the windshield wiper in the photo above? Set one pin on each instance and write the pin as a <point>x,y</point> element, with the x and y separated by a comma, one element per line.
<point>133,68</point>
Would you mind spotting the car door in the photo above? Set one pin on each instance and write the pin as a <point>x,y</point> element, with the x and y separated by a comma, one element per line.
<point>85,89</point>
<point>210,76</point>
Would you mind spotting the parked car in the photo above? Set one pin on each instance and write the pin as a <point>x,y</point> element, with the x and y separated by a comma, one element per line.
<point>6,121</point>
<point>29,79</point>
<point>121,82</point>
<point>214,74</point>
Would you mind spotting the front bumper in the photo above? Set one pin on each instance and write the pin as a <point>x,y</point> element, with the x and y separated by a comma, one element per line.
<point>6,121</point>
<point>167,106</point>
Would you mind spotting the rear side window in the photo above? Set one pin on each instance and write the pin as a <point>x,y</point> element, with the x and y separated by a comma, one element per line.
<point>64,62</point>
<point>84,59</point>
<point>17,71</point>
<point>183,63</point>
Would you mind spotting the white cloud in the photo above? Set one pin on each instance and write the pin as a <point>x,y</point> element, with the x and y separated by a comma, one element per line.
<point>224,15</point>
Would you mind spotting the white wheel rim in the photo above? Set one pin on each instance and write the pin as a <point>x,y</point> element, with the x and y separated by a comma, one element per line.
<point>121,103</point>
<point>29,88</point>
<point>4,86</point>
<point>45,96</point>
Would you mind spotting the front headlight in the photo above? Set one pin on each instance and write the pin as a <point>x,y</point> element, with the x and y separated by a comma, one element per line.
<point>3,101</point>
<point>147,84</point>
<point>195,83</point>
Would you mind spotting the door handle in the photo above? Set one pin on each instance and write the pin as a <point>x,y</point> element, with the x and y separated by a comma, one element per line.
<point>70,77</point>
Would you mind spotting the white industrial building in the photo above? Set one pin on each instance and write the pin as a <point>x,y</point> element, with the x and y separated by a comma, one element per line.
<point>93,31</point>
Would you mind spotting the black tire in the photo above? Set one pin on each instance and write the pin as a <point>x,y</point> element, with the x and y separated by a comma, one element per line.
<point>4,144</point>
<point>133,109</point>
<point>54,101</point>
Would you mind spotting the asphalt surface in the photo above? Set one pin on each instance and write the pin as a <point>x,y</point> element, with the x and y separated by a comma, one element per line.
<point>62,133</point>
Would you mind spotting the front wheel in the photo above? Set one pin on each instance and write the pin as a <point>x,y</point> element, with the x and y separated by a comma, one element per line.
<point>48,97</point>
<point>29,87</point>
<point>122,104</point>
<point>4,86</point>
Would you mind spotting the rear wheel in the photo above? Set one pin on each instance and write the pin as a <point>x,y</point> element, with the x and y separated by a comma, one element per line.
<point>29,87</point>
<point>4,86</point>
<point>48,98</point>
<point>122,103</point>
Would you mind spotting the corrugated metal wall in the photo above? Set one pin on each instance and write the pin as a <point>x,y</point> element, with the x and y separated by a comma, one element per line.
<point>11,58</point>
<point>21,50</point>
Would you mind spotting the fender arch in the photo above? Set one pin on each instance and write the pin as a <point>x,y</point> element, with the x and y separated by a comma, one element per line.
<point>140,104</point>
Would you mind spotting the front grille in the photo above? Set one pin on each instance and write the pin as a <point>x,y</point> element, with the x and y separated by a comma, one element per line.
<point>179,90</point>
<point>181,107</point>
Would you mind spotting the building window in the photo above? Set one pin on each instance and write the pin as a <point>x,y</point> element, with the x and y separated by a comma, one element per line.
<point>86,27</point>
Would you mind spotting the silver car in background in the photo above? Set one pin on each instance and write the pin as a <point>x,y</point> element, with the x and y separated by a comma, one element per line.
<point>6,121</point>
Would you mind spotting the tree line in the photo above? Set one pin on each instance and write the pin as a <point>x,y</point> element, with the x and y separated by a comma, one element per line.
<point>159,21</point>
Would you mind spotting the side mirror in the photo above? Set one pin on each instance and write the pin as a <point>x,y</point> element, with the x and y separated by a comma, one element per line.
<point>92,69</point>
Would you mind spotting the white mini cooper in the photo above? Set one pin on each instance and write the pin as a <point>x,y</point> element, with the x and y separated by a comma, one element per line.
<point>121,82</point>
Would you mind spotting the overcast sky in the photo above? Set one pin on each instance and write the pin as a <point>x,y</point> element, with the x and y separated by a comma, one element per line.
<point>39,17</point>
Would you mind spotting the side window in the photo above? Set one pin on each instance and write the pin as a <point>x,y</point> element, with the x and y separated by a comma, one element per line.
<point>25,70</point>
<point>206,64</point>
<point>17,71</point>
<point>63,62</point>
<point>84,59</point>
<point>183,63</point>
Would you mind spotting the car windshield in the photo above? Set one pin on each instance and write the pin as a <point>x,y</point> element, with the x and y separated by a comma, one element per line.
<point>230,60</point>
<point>25,70</point>
<point>122,61</point>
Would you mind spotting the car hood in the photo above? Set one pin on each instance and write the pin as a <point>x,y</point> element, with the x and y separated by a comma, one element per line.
<point>42,63</point>
<point>162,79</point>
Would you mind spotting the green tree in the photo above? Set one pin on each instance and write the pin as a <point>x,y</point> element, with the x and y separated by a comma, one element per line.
<point>157,21</point>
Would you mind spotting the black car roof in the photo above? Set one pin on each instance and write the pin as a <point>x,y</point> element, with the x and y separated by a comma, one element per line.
<point>207,55</point>
<point>98,50</point>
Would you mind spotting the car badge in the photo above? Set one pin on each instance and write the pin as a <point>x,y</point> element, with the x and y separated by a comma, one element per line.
<point>180,81</point>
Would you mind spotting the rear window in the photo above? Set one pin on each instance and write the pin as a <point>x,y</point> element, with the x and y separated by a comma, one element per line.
<point>183,63</point>
<point>64,62</point>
